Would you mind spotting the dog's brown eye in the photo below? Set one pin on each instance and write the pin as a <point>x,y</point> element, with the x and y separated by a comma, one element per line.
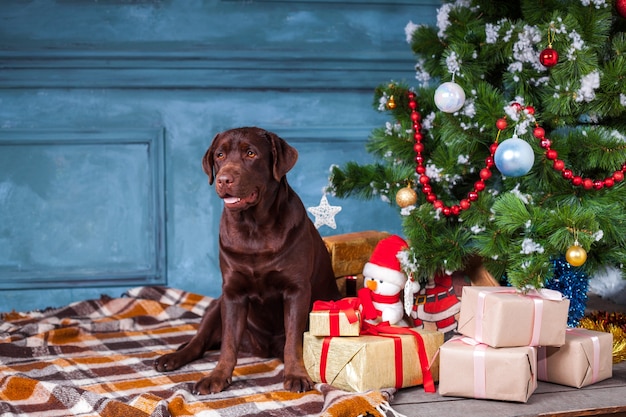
<point>219,155</point>
<point>251,154</point>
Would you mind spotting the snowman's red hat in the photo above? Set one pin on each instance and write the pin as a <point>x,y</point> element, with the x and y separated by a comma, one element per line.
<point>384,263</point>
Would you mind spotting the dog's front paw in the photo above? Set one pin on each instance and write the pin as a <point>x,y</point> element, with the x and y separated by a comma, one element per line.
<point>212,384</point>
<point>298,383</point>
<point>170,362</point>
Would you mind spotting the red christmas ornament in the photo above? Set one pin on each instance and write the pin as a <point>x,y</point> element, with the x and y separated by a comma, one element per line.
<point>549,57</point>
<point>620,6</point>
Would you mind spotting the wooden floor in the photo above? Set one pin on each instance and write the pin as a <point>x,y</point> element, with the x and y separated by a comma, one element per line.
<point>605,398</point>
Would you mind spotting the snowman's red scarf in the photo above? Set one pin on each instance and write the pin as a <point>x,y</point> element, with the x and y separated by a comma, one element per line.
<point>368,297</point>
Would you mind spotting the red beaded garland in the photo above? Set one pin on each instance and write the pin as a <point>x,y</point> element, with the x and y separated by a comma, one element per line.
<point>485,173</point>
<point>568,174</point>
<point>424,180</point>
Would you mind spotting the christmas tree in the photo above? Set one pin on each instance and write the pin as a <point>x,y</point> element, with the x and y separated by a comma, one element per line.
<point>511,146</point>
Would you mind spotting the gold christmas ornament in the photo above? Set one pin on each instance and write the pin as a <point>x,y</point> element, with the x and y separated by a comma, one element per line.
<point>406,197</point>
<point>391,103</point>
<point>576,255</point>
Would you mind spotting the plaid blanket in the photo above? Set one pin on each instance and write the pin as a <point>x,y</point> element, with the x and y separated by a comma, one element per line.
<point>94,358</point>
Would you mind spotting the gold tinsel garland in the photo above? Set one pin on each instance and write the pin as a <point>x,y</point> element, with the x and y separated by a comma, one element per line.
<point>614,323</point>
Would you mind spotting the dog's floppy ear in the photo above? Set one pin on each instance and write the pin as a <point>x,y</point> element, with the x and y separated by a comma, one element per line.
<point>285,156</point>
<point>207,160</point>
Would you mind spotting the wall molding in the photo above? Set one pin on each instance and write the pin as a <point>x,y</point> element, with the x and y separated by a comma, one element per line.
<point>432,3</point>
<point>61,152</point>
<point>167,65</point>
<point>323,134</point>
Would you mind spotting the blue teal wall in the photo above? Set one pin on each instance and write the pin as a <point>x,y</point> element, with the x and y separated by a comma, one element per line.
<point>106,108</point>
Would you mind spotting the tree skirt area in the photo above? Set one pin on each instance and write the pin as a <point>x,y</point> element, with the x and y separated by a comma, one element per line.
<point>95,358</point>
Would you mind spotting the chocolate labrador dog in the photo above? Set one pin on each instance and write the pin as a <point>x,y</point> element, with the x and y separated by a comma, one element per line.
<point>274,263</point>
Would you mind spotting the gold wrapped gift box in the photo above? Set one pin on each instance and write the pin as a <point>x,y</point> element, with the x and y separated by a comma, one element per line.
<point>349,252</point>
<point>502,317</point>
<point>369,362</point>
<point>584,359</point>
<point>473,370</point>
<point>335,318</point>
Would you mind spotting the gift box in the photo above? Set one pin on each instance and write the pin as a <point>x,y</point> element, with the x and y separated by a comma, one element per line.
<point>584,359</point>
<point>350,251</point>
<point>335,318</point>
<point>474,370</point>
<point>371,362</point>
<point>504,317</point>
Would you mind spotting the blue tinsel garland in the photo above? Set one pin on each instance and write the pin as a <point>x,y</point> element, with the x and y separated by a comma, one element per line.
<point>573,283</point>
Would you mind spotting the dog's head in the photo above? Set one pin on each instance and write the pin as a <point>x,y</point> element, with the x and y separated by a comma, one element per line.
<point>243,162</point>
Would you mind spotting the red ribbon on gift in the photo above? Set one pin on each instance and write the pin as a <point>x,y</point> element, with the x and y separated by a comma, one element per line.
<point>386,330</point>
<point>348,306</point>
<point>323,360</point>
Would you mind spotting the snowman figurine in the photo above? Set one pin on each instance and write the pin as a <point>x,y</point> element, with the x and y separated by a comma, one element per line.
<point>383,282</point>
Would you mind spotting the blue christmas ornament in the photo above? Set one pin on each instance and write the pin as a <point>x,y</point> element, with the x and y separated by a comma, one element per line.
<point>514,157</point>
<point>449,97</point>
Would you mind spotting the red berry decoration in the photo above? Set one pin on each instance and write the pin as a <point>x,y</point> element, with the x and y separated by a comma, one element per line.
<point>501,124</point>
<point>545,143</point>
<point>549,57</point>
<point>558,165</point>
<point>552,154</point>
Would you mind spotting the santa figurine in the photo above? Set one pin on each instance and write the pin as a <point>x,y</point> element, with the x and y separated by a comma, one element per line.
<point>383,281</point>
<point>437,304</point>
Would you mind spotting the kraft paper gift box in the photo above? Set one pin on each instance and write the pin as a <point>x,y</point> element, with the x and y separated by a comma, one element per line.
<point>474,370</point>
<point>584,359</point>
<point>335,318</point>
<point>504,317</point>
<point>369,362</point>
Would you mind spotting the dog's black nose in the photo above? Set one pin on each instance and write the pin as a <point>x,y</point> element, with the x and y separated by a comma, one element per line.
<point>224,179</point>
